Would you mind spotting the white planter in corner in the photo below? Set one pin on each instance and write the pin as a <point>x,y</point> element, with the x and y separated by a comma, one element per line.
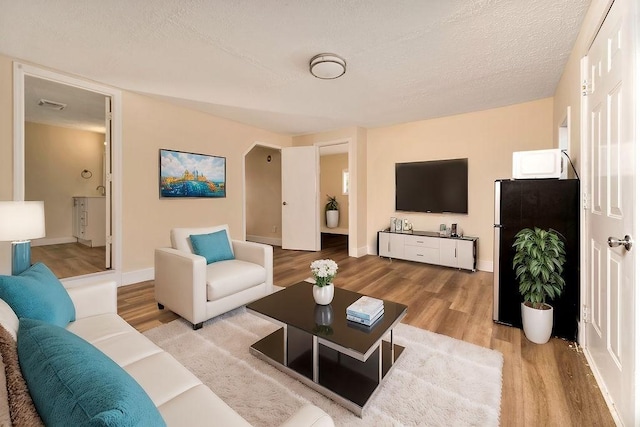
<point>332,218</point>
<point>537,324</point>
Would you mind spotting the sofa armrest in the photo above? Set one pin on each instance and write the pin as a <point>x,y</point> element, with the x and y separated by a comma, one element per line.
<point>94,299</point>
<point>181,283</point>
<point>309,415</point>
<point>257,253</point>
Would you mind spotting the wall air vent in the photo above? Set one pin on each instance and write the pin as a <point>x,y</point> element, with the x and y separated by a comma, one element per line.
<point>53,105</point>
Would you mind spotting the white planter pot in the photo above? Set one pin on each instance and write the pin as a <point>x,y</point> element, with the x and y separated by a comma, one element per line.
<point>323,295</point>
<point>537,324</point>
<point>332,219</point>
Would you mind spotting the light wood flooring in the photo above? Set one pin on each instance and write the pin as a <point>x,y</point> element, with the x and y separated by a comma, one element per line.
<point>543,385</point>
<point>70,259</point>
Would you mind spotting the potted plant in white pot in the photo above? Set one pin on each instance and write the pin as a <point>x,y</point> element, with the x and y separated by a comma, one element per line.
<point>332,212</point>
<point>324,271</point>
<point>538,264</point>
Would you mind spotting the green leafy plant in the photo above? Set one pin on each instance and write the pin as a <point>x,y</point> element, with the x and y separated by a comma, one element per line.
<point>332,203</point>
<point>538,264</point>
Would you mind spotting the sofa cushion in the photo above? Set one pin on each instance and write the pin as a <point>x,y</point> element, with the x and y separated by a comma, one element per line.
<point>73,383</point>
<point>213,246</point>
<point>37,293</point>
<point>180,236</point>
<point>229,277</point>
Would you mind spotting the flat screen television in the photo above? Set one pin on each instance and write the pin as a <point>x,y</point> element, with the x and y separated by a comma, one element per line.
<point>434,186</point>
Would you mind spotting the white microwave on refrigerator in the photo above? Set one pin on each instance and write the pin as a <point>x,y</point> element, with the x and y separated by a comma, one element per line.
<point>538,164</point>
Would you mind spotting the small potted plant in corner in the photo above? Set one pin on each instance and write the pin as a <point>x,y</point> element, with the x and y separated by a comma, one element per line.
<point>538,264</point>
<point>332,212</point>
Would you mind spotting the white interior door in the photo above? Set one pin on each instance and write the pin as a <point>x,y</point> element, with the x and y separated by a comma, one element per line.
<point>107,179</point>
<point>610,328</point>
<point>300,192</point>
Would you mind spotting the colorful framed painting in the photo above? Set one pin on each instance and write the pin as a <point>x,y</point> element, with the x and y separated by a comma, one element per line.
<point>192,175</point>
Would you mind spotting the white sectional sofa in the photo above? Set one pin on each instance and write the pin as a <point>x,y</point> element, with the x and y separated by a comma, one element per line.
<point>180,397</point>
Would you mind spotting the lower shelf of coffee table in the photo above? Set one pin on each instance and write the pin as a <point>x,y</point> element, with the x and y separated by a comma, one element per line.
<point>342,378</point>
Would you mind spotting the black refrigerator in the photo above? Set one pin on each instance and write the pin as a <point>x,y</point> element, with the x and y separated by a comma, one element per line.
<point>542,203</point>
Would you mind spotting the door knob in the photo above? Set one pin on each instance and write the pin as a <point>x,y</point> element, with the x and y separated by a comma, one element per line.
<point>627,242</point>
<point>284,203</point>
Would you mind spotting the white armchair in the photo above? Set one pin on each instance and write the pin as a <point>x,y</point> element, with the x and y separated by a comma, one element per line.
<point>186,285</point>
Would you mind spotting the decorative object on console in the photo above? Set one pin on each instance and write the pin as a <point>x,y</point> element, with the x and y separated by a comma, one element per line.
<point>392,224</point>
<point>398,225</point>
<point>332,212</point>
<point>192,175</point>
<point>538,264</point>
<point>19,222</point>
<point>454,230</point>
<point>324,271</point>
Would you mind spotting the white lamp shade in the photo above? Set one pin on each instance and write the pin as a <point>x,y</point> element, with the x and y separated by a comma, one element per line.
<point>21,221</point>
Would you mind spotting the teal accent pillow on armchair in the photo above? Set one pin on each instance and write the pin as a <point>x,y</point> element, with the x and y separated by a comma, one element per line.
<point>72,383</point>
<point>214,246</point>
<point>37,293</point>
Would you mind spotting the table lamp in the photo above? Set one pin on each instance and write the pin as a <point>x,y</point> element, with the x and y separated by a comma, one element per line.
<point>20,222</point>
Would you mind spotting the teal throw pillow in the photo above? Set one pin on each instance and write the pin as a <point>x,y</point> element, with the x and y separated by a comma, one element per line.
<point>214,246</point>
<point>37,293</point>
<point>72,383</point>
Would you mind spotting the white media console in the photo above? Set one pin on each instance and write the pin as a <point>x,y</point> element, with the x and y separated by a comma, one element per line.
<point>430,248</point>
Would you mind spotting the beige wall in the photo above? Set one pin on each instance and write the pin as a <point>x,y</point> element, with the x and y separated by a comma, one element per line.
<point>486,138</point>
<point>568,92</point>
<point>264,193</point>
<point>331,167</point>
<point>54,159</point>
<point>149,125</point>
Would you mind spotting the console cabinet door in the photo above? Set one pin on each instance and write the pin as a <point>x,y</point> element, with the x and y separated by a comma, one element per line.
<point>391,245</point>
<point>448,253</point>
<point>466,254</point>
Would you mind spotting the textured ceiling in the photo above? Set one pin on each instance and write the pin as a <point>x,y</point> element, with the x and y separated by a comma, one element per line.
<point>248,60</point>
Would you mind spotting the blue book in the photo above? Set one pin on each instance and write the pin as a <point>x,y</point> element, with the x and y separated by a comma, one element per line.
<point>366,307</point>
<point>363,321</point>
<point>366,316</point>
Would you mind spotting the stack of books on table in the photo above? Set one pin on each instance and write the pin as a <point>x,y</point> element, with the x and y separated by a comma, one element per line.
<point>366,311</point>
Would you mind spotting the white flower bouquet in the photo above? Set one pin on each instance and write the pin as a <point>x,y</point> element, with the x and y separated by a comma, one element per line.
<point>324,271</point>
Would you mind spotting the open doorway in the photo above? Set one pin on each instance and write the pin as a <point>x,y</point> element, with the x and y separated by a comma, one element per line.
<point>63,155</point>
<point>264,213</point>
<point>263,193</point>
<point>334,191</point>
<point>64,148</point>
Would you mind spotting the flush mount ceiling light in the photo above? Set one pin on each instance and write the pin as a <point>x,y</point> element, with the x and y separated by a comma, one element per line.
<point>327,66</point>
<point>53,105</point>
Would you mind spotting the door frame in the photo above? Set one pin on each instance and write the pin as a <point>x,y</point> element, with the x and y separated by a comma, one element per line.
<point>21,70</point>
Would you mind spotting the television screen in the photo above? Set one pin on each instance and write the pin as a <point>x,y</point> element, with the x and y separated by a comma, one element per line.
<point>434,186</point>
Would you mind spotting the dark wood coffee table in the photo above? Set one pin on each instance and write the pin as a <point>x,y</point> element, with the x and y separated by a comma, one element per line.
<point>317,345</point>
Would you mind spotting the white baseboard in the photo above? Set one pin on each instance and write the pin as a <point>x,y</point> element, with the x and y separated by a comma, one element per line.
<point>361,251</point>
<point>137,276</point>
<point>485,266</point>
<point>273,241</point>
<point>53,241</point>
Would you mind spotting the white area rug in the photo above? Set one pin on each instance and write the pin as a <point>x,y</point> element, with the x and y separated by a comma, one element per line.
<point>438,381</point>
